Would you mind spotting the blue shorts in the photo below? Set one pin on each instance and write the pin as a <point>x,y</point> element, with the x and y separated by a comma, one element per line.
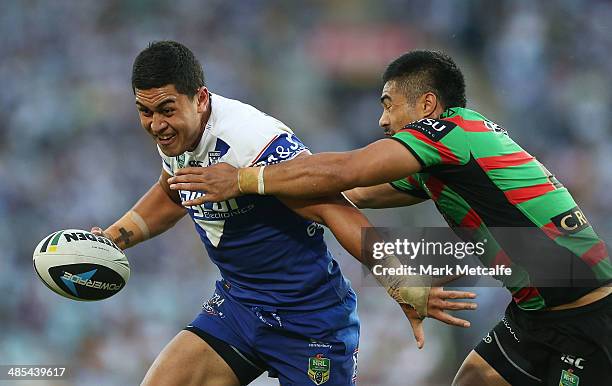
<point>298,348</point>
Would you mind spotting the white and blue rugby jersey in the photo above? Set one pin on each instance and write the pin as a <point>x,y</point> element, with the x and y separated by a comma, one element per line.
<point>267,253</point>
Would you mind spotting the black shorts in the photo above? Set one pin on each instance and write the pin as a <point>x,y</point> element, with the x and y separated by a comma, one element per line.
<point>561,348</point>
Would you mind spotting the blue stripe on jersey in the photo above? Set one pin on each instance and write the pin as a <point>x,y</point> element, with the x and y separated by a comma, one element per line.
<point>221,148</point>
<point>283,148</point>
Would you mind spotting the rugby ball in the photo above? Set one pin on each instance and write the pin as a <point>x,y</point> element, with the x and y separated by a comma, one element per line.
<point>80,265</point>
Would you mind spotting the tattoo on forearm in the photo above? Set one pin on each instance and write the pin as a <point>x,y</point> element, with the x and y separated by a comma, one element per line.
<point>124,238</point>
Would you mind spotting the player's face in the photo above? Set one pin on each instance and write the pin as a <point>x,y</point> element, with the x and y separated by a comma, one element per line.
<point>174,120</point>
<point>397,111</point>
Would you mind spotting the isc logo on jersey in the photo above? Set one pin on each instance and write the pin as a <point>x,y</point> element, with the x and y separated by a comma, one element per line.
<point>433,128</point>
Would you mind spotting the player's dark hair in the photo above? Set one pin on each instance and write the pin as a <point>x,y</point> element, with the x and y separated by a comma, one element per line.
<point>167,62</point>
<point>418,72</point>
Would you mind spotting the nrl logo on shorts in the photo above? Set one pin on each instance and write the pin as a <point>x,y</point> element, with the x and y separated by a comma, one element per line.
<point>213,157</point>
<point>568,378</point>
<point>318,369</point>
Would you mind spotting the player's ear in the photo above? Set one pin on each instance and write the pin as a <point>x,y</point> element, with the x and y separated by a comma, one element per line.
<point>428,103</point>
<point>202,97</point>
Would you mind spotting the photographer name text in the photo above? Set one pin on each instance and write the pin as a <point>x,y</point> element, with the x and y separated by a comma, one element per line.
<point>448,270</point>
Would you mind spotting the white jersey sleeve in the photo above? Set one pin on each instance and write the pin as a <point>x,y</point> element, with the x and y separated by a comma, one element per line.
<point>257,139</point>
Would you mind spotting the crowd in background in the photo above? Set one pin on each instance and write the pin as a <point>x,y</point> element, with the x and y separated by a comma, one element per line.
<point>73,155</point>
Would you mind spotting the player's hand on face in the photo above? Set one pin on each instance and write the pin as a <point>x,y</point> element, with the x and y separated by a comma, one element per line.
<point>437,307</point>
<point>217,182</point>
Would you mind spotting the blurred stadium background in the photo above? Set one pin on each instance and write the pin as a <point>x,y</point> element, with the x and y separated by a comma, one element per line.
<point>72,153</point>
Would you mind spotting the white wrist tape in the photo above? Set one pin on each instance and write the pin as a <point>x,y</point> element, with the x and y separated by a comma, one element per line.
<point>261,188</point>
<point>405,289</point>
<point>239,187</point>
<point>140,222</point>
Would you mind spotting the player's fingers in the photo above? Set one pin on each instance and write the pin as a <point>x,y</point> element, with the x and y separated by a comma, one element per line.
<point>197,201</point>
<point>190,170</point>
<point>186,178</point>
<point>97,231</point>
<point>417,330</point>
<point>457,295</point>
<point>448,319</point>
<point>416,323</point>
<point>458,305</point>
<point>191,186</point>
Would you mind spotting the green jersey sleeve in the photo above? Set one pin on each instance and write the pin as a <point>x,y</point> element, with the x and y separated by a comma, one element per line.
<point>435,142</point>
<point>410,185</point>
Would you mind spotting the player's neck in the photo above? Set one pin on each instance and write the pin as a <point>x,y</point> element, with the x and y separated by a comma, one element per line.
<point>436,113</point>
<point>203,122</point>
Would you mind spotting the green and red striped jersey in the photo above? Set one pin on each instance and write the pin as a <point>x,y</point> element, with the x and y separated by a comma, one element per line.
<point>480,179</point>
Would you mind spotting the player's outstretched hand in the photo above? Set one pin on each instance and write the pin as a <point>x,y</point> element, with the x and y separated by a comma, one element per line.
<point>437,307</point>
<point>217,182</point>
<point>439,303</point>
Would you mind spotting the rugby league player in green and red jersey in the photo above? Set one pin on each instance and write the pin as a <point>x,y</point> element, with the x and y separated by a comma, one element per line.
<point>479,179</point>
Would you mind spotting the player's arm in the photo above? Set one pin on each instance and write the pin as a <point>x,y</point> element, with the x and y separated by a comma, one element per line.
<point>343,219</point>
<point>388,196</point>
<point>317,175</point>
<point>381,196</point>
<point>328,173</point>
<point>156,211</point>
<point>346,223</point>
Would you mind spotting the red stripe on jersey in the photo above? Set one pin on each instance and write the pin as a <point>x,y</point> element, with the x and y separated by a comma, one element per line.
<point>446,155</point>
<point>264,149</point>
<point>525,294</point>
<point>551,230</point>
<point>468,125</point>
<point>435,187</point>
<point>597,253</point>
<point>471,220</point>
<point>501,258</point>
<point>516,196</point>
<point>412,181</point>
<point>503,161</point>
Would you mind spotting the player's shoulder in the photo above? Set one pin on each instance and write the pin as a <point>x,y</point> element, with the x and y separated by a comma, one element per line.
<point>470,121</point>
<point>455,120</point>
<point>236,121</point>
<point>249,132</point>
